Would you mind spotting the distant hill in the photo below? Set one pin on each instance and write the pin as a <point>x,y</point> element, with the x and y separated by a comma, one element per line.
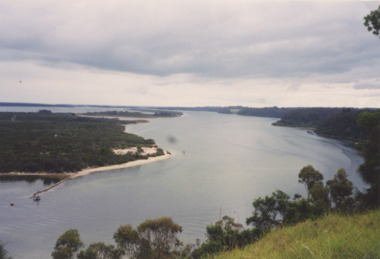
<point>342,125</point>
<point>272,112</point>
<point>306,117</point>
<point>337,123</point>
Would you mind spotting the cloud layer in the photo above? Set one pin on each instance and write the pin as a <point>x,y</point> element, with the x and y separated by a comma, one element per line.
<point>189,53</point>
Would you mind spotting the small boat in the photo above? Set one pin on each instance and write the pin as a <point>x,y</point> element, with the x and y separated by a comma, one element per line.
<point>37,198</point>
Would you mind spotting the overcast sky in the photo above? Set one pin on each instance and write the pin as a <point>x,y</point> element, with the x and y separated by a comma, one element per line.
<point>189,53</point>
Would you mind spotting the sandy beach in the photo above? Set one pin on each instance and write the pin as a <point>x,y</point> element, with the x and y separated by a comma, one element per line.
<point>87,171</point>
<point>65,176</point>
<point>120,166</point>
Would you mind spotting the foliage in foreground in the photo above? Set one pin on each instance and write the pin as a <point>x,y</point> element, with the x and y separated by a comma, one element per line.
<point>4,252</point>
<point>333,236</point>
<point>67,245</point>
<point>280,210</point>
<point>370,169</point>
<point>372,22</point>
<point>152,239</point>
<point>158,238</point>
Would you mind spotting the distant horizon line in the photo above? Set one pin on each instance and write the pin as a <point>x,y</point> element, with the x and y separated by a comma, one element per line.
<point>27,104</point>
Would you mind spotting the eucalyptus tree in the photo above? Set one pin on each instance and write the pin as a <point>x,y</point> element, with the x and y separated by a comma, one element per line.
<point>372,22</point>
<point>340,189</point>
<point>309,176</point>
<point>67,245</point>
<point>154,238</point>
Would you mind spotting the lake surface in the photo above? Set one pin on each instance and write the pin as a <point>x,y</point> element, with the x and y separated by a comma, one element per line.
<point>221,163</point>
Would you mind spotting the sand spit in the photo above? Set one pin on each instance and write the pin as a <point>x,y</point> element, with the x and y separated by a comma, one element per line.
<point>99,169</point>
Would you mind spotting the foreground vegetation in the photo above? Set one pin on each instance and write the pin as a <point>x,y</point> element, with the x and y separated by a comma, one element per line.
<point>158,238</point>
<point>62,142</point>
<point>333,236</point>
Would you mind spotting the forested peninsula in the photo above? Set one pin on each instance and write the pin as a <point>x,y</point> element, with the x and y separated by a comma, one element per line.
<point>65,142</point>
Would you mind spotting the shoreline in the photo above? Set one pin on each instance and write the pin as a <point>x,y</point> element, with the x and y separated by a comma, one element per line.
<point>69,176</point>
<point>135,119</point>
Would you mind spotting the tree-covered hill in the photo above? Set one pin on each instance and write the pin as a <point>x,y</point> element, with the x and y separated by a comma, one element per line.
<point>306,117</point>
<point>338,123</point>
<point>271,112</point>
<point>62,142</point>
<point>342,125</point>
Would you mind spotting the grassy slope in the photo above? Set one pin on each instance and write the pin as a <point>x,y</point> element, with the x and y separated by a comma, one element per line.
<point>333,236</point>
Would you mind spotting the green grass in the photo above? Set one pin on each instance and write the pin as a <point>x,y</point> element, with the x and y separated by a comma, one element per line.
<point>333,236</point>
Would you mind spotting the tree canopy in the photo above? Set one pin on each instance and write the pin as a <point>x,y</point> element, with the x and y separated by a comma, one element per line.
<point>372,22</point>
<point>67,245</point>
<point>370,169</point>
<point>3,252</point>
<point>154,238</point>
<point>340,189</point>
<point>309,176</point>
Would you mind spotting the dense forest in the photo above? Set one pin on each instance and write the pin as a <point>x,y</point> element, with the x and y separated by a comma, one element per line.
<point>62,142</point>
<point>342,125</point>
<point>306,117</point>
<point>273,112</point>
<point>338,123</point>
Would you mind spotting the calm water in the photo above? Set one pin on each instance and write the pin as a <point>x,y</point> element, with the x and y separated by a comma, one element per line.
<point>221,164</point>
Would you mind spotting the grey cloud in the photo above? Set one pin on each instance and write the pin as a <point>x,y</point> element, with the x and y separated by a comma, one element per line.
<point>367,85</point>
<point>216,39</point>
